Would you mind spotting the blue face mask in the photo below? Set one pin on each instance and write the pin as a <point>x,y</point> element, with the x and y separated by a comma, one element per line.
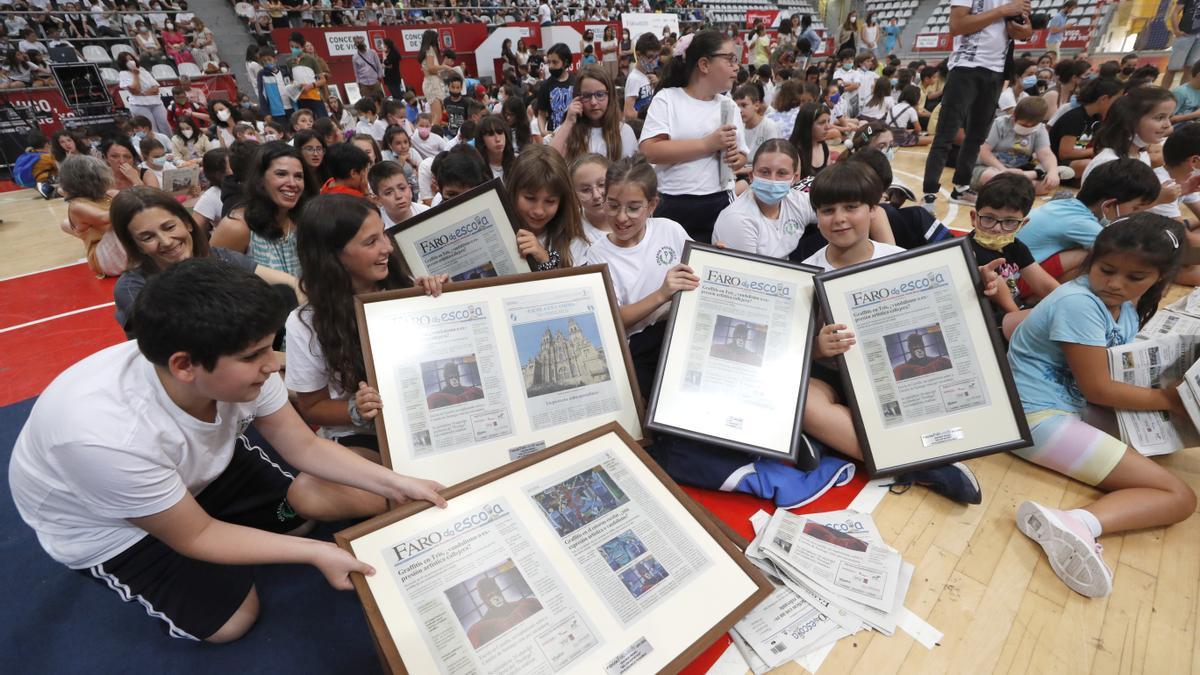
<point>895,82</point>
<point>296,51</point>
<point>1029,82</point>
<point>770,191</point>
<point>847,67</point>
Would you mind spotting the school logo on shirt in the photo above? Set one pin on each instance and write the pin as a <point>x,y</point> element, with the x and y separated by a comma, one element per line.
<point>792,226</point>
<point>665,256</point>
<point>244,423</point>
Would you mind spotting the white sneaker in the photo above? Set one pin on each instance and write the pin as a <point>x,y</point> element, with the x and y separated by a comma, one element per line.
<point>1074,555</point>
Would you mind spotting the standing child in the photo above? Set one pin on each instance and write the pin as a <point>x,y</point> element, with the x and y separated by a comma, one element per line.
<point>392,192</point>
<point>770,217</point>
<point>540,188</point>
<point>643,77</point>
<point>1059,358</point>
<point>1000,210</point>
<point>845,197</point>
<point>454,104</point>
<point>693,135</point>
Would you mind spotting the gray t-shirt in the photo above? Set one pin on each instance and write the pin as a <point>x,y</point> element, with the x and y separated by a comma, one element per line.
<point>1012,150</point>
<point>130,284</point>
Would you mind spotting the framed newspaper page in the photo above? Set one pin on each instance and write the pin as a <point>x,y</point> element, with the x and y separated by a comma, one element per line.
<point>928,381</point>
<point>734,364</point>
<point>585,558</point>
<point>495,369</point>
<point>469,237</point>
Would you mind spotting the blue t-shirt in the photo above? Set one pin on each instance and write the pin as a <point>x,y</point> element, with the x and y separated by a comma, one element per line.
<point>1074,314</point>
<point>1057,226</point>
<point>1058,21</point>
<point>1187,100</point>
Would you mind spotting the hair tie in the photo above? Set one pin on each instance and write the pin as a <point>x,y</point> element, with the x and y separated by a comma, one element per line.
<point>1173,238</point>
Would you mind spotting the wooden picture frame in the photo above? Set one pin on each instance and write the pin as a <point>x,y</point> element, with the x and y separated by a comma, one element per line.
<point>733,371</point>
<point>472,236</point>
<point>706,592</point>
<point>903,308</point>
<point>528,352</point>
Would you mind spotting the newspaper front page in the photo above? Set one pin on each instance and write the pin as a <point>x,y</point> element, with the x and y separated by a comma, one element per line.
<point>487,600</point>
<point>451,382</point>
<point>917,348</point>
<point>1156,364</point>
<point>634,556</point>
<point>742,329</point>
<point>472,248</point>
<point>1166,324</point>
<point>564,361</point>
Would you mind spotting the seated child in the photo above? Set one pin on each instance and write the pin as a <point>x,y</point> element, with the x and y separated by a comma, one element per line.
<point>392,193</point>
<point>426,142</point>
<point>36,166</point>
<point>1020,144</point>
<point>368,119</point>
<point>347,164</point>
<point>1000,210</point>
<point>911,226</point>
<point>1059,233</point>
<point>759,129</point>
<point>1059,358</point>
<point>845,197</point>
<point>150,495</point>
<point>1181,163</point>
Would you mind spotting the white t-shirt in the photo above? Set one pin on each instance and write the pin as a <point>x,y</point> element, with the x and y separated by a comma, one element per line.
<point>425,179</point>
<point>77,479</point>
<point>901,115</point>
<point>639,270</point>
<point>743,227</point>
<point>638,86</point>
<point>882,250</point>
<point>984,49</point>
<point>1008,100</point>
<point>629,141</point>
<point>1109,155</point>
<point>428,147</point>
<point>1172,210</point>
<point>544,15</point>
<point>307,369</point>
<point>678,116</point>
<point>580,245</point>
<point>209,204</point>
<point>866,84</point>
<point>416,207</point>
<point>877,112</point>
<point>146,81</point>
<point>374,129</point>
<point>765,131</point>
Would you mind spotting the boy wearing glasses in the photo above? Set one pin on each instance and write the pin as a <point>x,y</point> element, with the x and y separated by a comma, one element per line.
<point>1000,210</point>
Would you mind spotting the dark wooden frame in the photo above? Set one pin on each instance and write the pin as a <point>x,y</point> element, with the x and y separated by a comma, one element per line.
<point>390,654</point>
<point>998,352</point>
<point>360,302</point>
<point>424,217</point>
<point>793,454</point>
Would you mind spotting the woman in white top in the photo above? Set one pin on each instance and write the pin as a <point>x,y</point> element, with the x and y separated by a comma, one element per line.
<point>610,50</point>
<point>868,34</point>
<point>593,122</point>
<point>142,89</point>
<point>769,218</point>
<point>694,136</point>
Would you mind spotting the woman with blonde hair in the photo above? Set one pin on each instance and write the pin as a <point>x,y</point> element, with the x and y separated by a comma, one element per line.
<point>593,123</point>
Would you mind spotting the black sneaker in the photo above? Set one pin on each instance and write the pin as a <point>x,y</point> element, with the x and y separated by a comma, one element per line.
<point>929,202</point>
<point>965,197</point>
<point>953,481</point>
<point>47,190</point>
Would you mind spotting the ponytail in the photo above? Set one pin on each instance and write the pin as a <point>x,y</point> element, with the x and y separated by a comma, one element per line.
<point>678,71</point>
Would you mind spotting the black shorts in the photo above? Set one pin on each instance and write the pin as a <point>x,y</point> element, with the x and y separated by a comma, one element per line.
<point>195,598</point>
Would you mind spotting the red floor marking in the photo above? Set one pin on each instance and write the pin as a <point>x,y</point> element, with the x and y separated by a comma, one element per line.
<point>50,293</point>
<point>735,510</point>
<point>30,358</point>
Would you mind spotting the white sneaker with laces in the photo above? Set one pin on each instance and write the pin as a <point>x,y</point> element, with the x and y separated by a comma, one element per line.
<point>1074,555</point>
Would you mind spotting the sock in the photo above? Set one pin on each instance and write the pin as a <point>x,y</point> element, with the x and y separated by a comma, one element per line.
<point>1088,519</point>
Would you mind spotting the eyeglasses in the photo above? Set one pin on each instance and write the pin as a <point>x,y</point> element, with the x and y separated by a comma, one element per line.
<point>631,211</point>
<point>596,96</point>
<point>313,149</point>
<point>728,56</point>
<point>1006,224</point>
<point>590,190</point>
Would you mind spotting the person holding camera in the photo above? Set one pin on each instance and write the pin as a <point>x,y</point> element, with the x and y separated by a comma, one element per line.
<point>982,30</point>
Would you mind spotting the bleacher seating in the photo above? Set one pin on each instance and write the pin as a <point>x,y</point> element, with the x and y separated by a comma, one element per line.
<point>734,11</point>
<point>885,10</point>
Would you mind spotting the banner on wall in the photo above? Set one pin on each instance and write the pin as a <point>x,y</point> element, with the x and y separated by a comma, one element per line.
<point>769,17</point>
<point>637,24</point>
<point>341,43</point>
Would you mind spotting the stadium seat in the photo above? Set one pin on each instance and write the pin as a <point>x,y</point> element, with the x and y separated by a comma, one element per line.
<point>189,69</point>
<point>110,75</point>
<point>96,54</point>
<point>118,48</point>
<point>163,71</point>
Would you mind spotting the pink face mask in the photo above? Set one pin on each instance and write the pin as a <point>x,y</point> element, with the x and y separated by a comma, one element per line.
<point>423,132</point>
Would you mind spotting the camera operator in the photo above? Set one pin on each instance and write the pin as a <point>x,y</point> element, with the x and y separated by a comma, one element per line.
<point>982,31</point>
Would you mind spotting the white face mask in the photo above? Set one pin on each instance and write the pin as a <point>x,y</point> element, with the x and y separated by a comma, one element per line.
<point>223,115</point>
<point>131,65</point>
<point>1137,140</point>
<point>186,133</point>
<point>1022,130</point>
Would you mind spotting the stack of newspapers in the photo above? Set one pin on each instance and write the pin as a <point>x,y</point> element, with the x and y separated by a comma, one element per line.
<point>1165,354</point>
<point>833,576</point>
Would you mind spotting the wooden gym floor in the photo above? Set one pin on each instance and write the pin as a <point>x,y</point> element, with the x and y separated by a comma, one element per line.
<point>981,582</point>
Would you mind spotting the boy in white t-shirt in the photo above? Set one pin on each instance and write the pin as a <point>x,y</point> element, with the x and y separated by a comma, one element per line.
<point>759,129</point>
<point>845,196</point>
<point>391,191</point>
<point>149,491</point>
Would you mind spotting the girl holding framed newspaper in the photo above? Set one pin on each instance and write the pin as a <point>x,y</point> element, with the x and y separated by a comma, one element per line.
<point>1059,361</point>
<point>343,251</point>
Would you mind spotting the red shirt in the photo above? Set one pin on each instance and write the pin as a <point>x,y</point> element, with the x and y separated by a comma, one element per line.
<point>332,188</point>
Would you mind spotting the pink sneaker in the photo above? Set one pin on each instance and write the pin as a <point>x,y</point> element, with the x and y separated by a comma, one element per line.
<point>1073,552</point>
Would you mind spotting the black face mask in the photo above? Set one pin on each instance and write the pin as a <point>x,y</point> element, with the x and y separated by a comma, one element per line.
<point>1128,70</point>
<point>556,73</point>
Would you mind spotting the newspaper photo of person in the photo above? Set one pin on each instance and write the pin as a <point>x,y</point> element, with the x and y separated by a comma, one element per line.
<point>643,576</point>
<point>738,341</point>
<point>622,550</point>
<point>489,604</point>
<point>451,381</point>
<point>918,352</point>
<point>579,500</point>
<point>484,271</point>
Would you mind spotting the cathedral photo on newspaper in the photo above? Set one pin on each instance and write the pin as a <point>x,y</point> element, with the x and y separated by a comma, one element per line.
<point>567,355</point>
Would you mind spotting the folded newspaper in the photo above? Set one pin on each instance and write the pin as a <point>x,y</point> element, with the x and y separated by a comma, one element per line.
<point>833,576</point>
<point>1166,351</point>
